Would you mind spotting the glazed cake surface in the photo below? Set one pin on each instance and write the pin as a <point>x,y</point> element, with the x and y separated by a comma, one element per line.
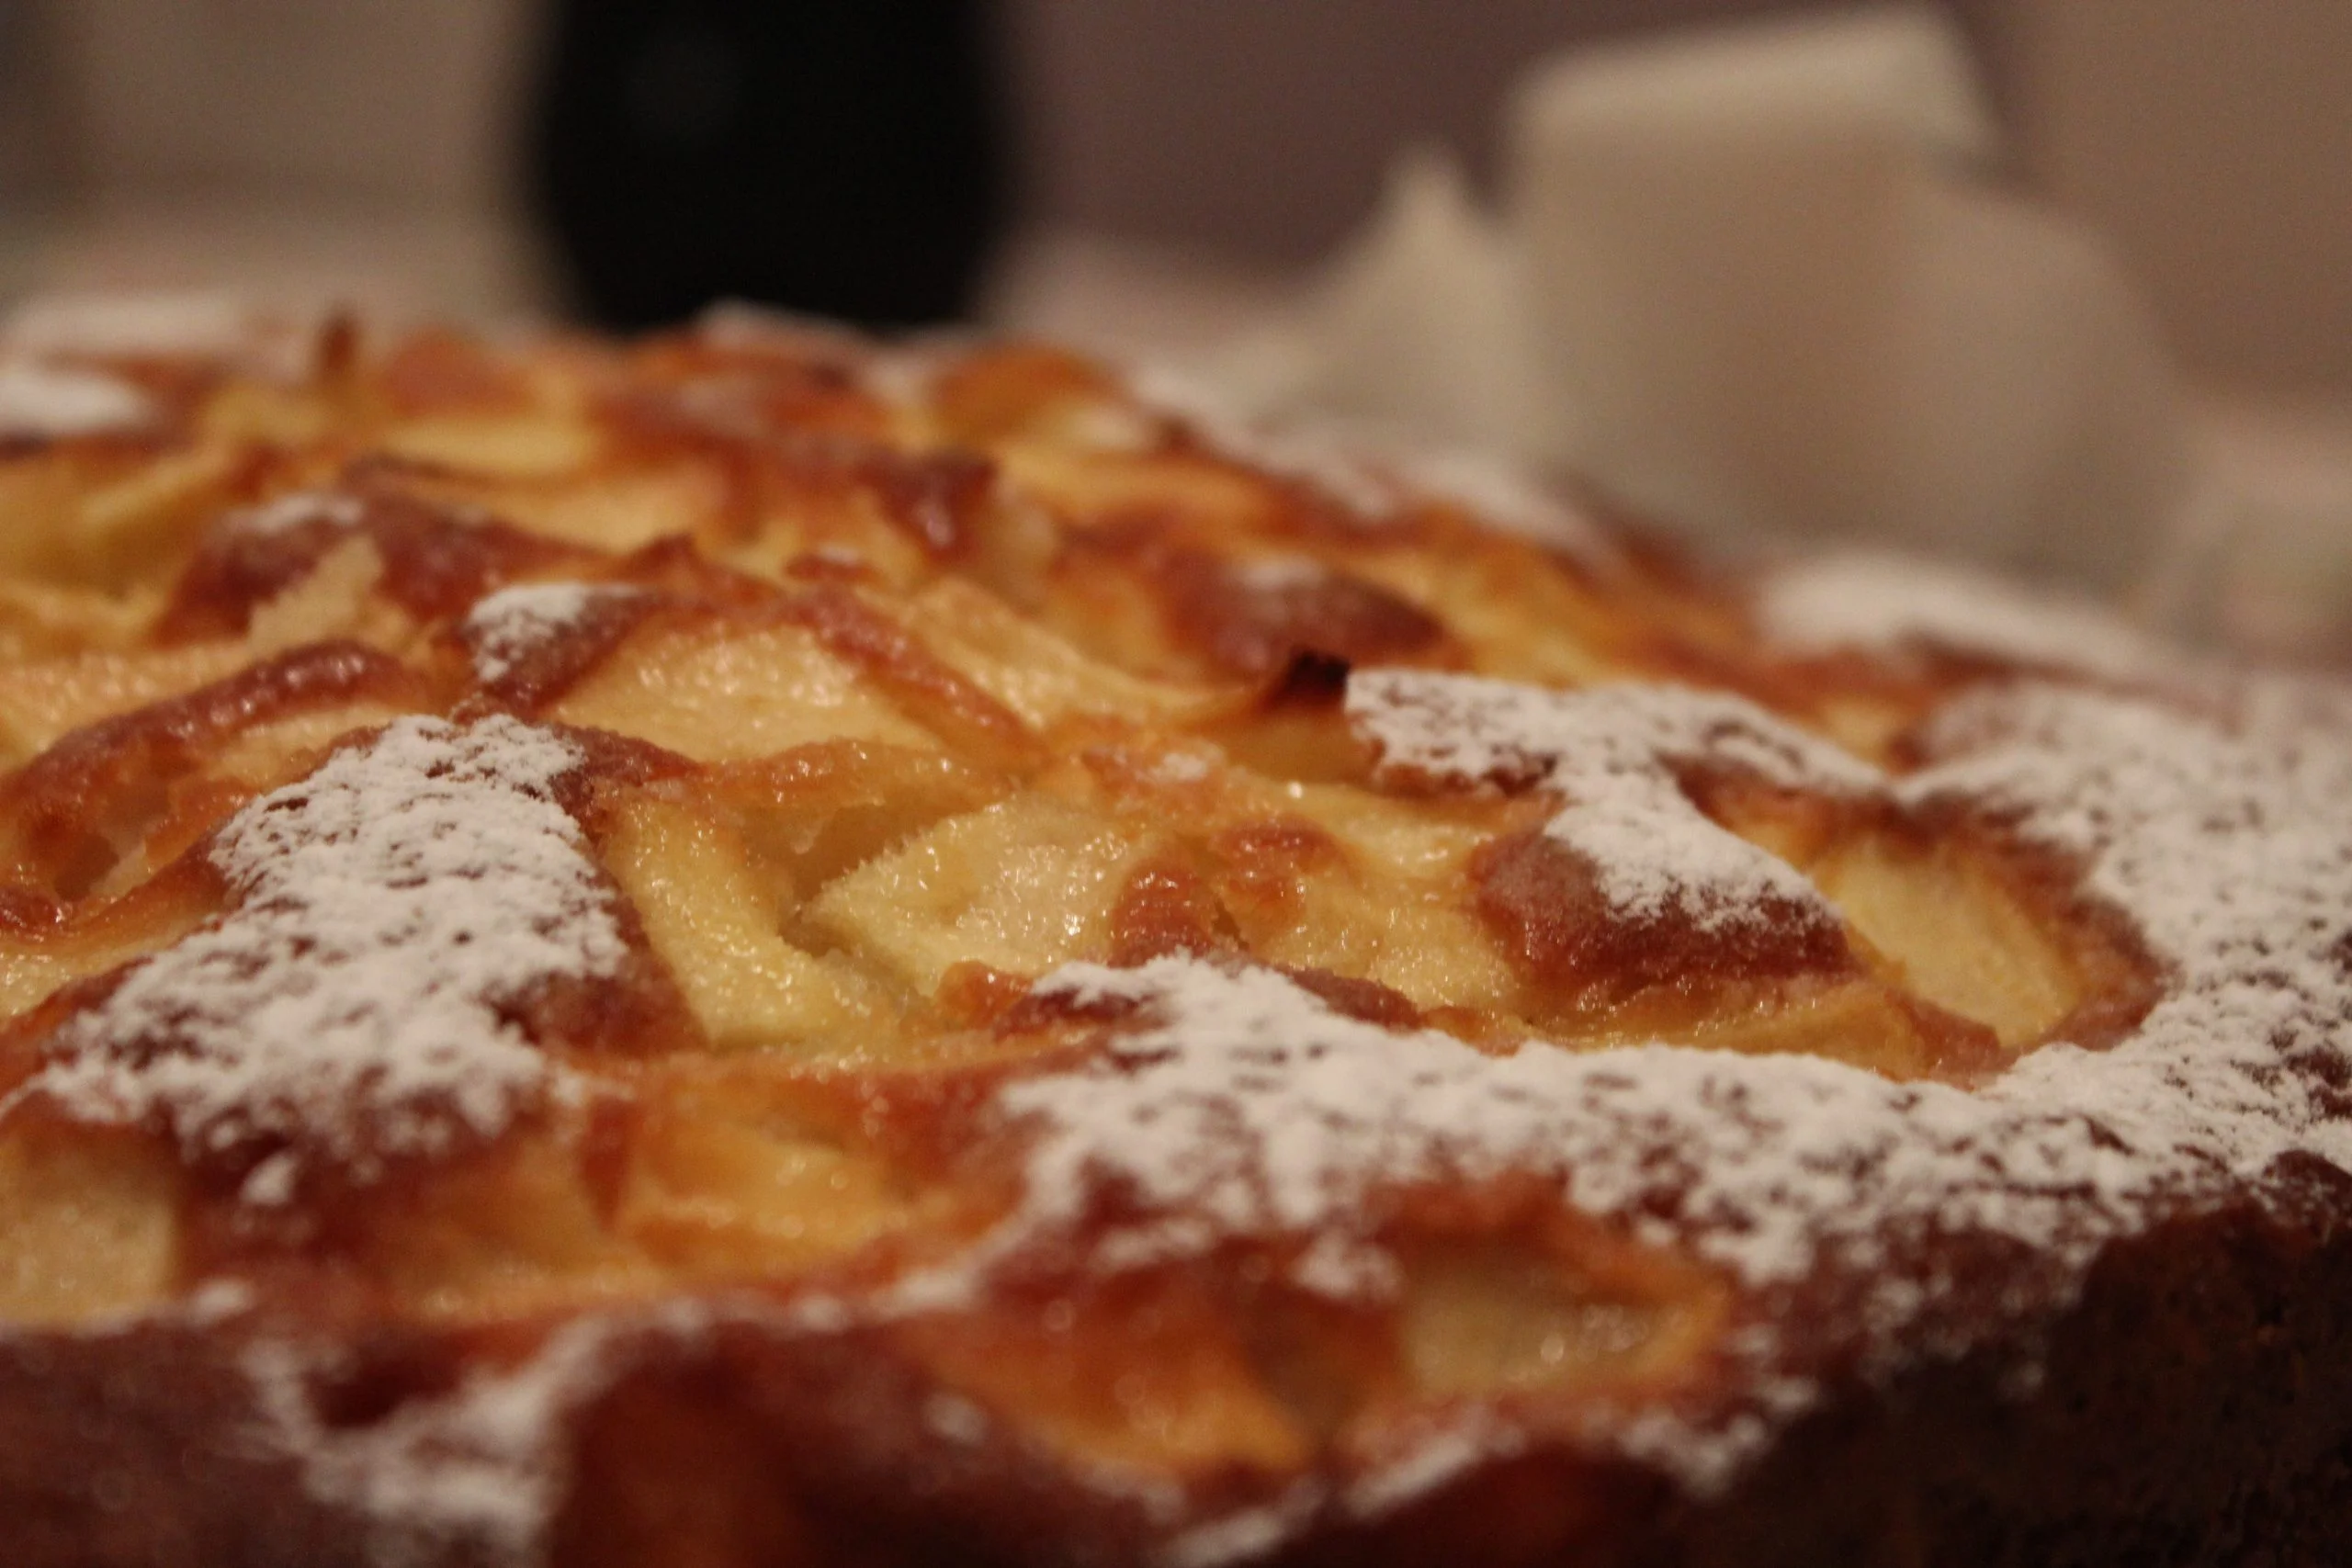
<point>763,948</point>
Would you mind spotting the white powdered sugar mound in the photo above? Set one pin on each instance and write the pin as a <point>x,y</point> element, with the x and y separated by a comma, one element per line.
<point>1244,1106</point>
<point>1372,473</point>
<point>2231,847</point>
<point>298,509</point>
<point>480,1465</point>
<point>54,401</point>
<point>195,323</point>
<point>130,325</point>
<point>1280,574</point>
<point>1496,491</point>
<point>504,629</point>
<point>387,905</point>
<point>899,372</point>
<point>1236,1103</point>
<point>1610,751</point>
<point>1308,455</point>
<point>1887,603</point>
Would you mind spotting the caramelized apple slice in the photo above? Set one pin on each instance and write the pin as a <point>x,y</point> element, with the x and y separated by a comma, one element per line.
<point>92,1227</point>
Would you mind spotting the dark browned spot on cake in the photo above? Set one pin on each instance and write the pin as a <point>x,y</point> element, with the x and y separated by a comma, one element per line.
<point>27,910</point>
<point>1039,1010</point>
<point>610,765</point>
<point>1254,620</point>
<point>1311,680</point>
<point>68,814</point>
<point>971,995</point>
<point>782,443</point>
<point>1544,900</point>
<point>437,561</point>
<point>937,498</point>
<point>1165,908</point>
<point>637,1010</point>
<point>439,372</point>
<point>918,680</point>
<point>548,664</point>
<point>1259,864</point>
<point>1368,1001</point>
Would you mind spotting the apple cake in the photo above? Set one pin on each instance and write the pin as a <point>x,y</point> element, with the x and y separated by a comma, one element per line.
<point>759,947</point>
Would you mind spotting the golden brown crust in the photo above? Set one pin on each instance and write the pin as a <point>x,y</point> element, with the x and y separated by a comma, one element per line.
<point>843,1142</point>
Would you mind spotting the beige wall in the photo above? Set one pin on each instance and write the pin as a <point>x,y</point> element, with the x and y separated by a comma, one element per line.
<point>1261,128</point>
<point>408,102</point>
<point>2212,140</point>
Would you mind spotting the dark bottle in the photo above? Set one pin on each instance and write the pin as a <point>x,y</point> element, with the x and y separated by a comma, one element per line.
<point>840,157</point>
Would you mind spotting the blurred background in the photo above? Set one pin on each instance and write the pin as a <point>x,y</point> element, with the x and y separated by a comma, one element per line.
<point>1282,191</point>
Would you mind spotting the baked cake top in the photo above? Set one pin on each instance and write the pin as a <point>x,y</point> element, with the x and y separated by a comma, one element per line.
<point>1240,977</point>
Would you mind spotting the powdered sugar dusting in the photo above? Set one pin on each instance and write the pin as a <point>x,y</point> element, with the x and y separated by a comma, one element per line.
<point>198,325</point>
<point>1472,1439</point>
<point>2231,844</point>
<point>1493,490</point>
<point>348,1007</point>
<point>1241,1536</point>
<point>506,626</point>
<point>298,509</point>
<point>1315,457</point>
<point>1611,752</point>
<point>1235,1102</point>
<point>1246,1105</point>
<point>1370,472</point>
<point>480,1466</point>
<point>1888,604</point>
<point>52,401</point>
<point>1280,574</point>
